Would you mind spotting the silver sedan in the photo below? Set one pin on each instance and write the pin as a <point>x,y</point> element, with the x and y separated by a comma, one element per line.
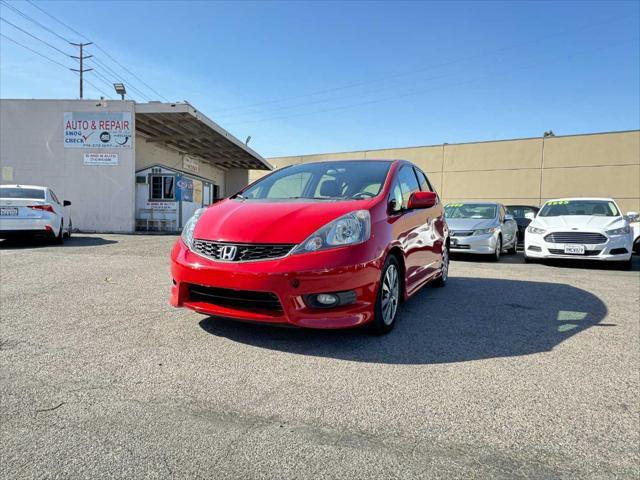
<point>481,228</point>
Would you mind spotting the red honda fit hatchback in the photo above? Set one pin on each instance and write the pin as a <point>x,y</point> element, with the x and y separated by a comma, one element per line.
<point>322,245</point>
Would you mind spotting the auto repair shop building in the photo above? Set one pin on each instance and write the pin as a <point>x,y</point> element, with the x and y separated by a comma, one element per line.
<point>125,166</point>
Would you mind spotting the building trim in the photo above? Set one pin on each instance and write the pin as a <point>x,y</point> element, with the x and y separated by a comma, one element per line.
<point>445,144</point>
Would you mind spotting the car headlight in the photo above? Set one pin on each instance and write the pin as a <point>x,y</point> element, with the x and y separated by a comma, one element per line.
<point>536,230</point>
<point>620,231</point>
<point>190,226</point>
<point>484,231</point>
<point>350,229</point>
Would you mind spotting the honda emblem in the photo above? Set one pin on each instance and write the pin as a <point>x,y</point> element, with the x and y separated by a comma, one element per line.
<point>228,252</point>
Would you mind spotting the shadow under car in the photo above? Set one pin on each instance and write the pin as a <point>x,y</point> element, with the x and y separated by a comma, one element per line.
<point>470,319</point>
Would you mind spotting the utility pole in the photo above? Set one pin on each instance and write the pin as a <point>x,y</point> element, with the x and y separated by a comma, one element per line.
<point>81,58</point>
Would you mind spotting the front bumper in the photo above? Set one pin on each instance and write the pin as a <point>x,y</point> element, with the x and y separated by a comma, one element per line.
<point>478,244</point>
<point>289,278</point>
<point>536,247</point>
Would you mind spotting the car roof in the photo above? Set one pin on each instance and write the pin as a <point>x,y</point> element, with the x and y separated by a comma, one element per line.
<point>603,199</point>
<point>23,186</point>
<point>342,160</point>
<point>476,203</point>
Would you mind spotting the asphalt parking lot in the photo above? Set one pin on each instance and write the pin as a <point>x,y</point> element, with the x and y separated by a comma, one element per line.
<point>511,371</point>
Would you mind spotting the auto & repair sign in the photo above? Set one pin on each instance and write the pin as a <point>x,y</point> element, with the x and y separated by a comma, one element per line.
<point>97,130</point>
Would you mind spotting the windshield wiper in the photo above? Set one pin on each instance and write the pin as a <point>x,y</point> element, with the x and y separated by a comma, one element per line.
<point>308,198</point>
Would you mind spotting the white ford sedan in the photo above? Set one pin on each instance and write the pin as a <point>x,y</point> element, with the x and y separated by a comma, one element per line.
<point>30,210</point>
<point>585,228</point>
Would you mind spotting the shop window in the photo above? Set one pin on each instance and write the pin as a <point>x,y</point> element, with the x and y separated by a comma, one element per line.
<point>162,187</point>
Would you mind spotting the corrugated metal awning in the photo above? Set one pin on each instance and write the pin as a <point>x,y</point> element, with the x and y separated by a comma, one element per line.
<point>181,127</point>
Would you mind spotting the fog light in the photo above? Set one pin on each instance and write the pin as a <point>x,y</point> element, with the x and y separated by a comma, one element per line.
<point>327,299</point>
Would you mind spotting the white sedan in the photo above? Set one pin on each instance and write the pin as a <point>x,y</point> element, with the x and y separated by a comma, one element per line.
<point>585,228</point>
<point>30,210</point>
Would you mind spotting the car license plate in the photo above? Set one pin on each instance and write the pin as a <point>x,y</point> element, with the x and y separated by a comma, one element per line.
<point>8,212</point>
<point>574,249</point>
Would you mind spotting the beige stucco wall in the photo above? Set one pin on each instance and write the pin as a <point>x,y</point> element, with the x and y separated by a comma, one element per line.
<point>32,146</point>
<point>151,153</point>
<point>527,171</point>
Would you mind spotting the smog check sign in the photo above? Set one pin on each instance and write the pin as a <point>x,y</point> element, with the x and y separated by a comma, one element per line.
<point>97,130</point>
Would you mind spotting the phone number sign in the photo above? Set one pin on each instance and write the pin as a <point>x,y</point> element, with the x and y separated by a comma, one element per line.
<point>97,130</point>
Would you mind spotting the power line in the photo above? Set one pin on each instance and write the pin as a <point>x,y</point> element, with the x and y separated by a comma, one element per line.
<point>118,77</point>
<point>104,66</point>
<point>101,49</point>
<point>418,92</point>
<point>44,27</point>
<point>48,44</point>
<point>324,100</point>
<point>34,51</point>
<point>34,36</point>
<point>418,70</point>
<point>51,60</point>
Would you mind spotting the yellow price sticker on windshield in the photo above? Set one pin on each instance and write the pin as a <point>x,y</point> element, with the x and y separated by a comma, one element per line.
<point>455,205</point>
<point>558,202</point>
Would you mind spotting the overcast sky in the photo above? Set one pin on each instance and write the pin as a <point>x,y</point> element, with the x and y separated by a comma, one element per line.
<point>310,77</point>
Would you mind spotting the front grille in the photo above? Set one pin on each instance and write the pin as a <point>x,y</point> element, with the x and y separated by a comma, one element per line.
<point>238,299</point>
<point>576,237</point>
<point>559,251</point>
<point>461,247</point>
<point>461,233</point>
<point>243,252</point>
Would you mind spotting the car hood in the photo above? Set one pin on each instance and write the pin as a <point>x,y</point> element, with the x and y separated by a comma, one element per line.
<point>470,223</point>
<point>251,221</point>
<point>579,222</point>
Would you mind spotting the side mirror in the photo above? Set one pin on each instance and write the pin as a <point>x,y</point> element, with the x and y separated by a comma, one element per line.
<point>633,216</point>
<point>66,203</point>
<point>422,200</point>
<point>508,217</point>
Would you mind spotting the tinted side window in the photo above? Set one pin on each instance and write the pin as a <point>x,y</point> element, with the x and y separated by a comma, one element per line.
<point>425,185</point>
<point>408,184</point>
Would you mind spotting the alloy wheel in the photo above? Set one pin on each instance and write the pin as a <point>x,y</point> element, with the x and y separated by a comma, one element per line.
<point>445,264</point>
<point>390,294</point>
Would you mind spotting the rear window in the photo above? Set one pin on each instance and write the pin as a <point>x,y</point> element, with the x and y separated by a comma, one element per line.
<point>16,192</point>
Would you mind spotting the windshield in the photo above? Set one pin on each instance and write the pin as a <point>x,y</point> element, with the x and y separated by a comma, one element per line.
<point>17,192</point>
<point>557,208</point>
<point>480,211</point>
<point>322,181</point>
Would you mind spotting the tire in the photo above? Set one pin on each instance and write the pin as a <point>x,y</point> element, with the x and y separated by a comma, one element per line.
<point>441,281</point>
<point>625,265</point>
<point>496,255</point>
<point>512,250</point>
<point>384,319</point>
<point>59,239</point>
